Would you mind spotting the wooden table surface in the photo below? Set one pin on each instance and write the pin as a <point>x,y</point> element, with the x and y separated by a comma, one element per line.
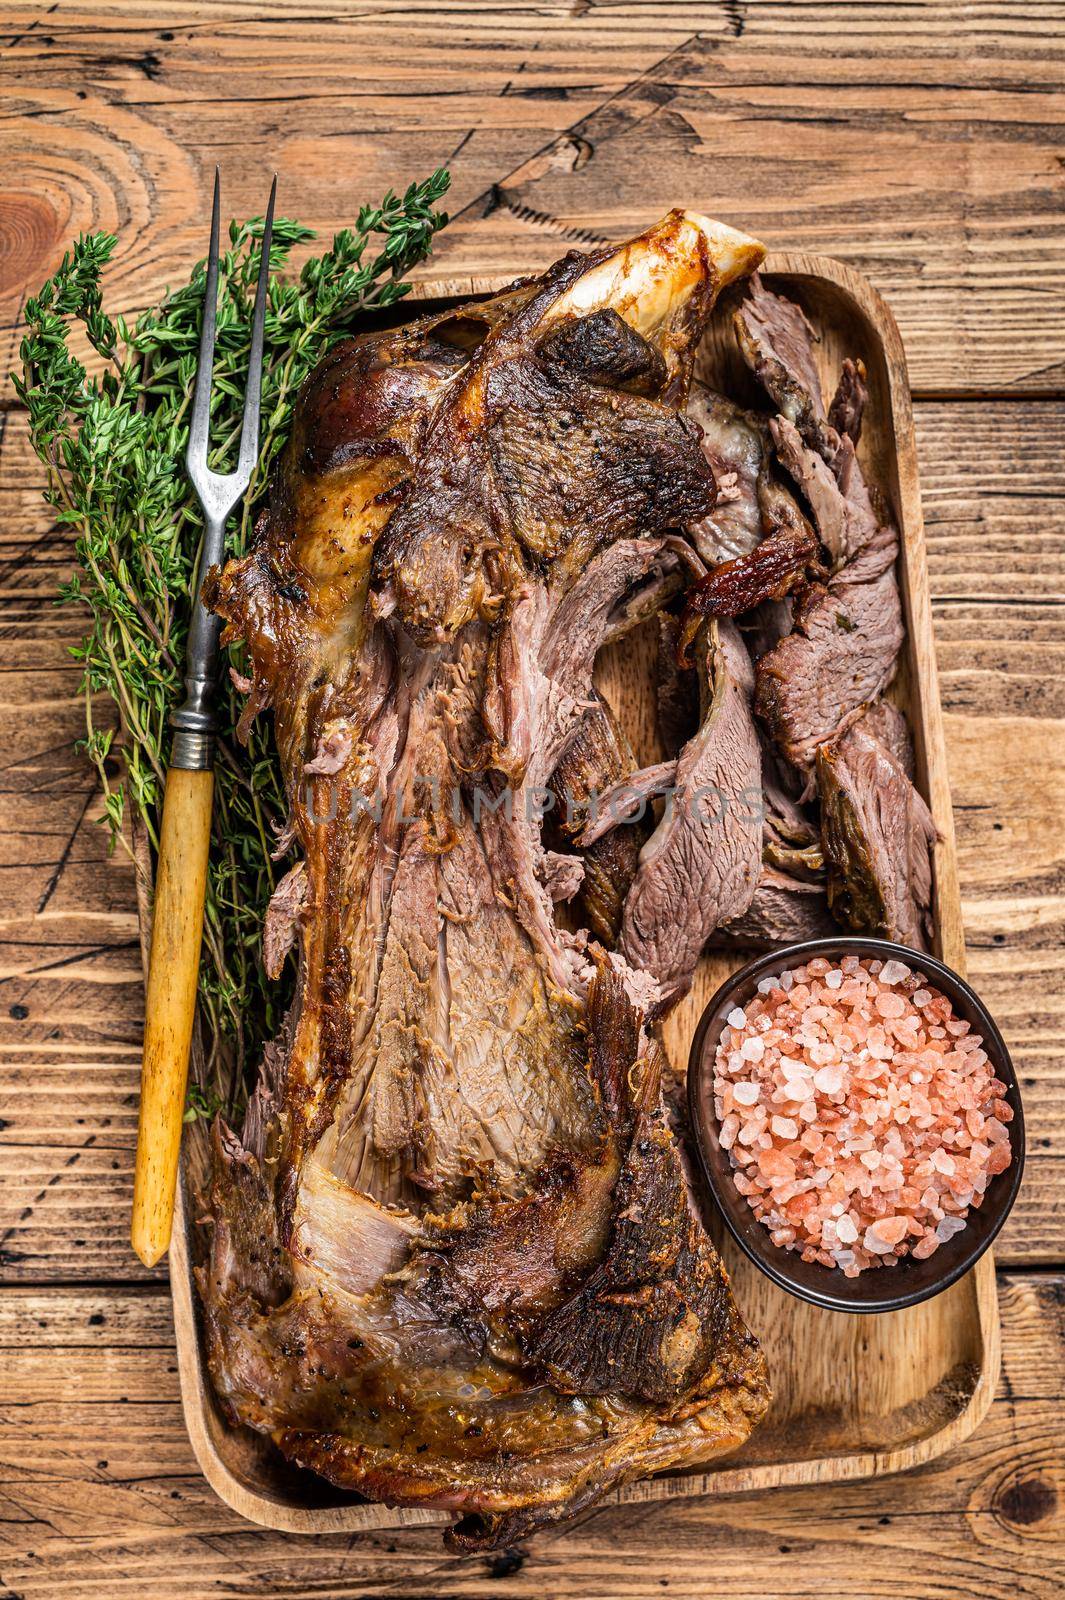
<point>920,141</point>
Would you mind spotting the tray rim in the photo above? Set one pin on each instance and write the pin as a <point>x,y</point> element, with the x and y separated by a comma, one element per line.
<point>272,1511</point>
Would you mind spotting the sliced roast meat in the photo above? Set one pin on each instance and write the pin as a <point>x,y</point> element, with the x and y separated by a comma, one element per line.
<point>751,501</point>
<point>878,839</point>
<point>840,655</point>
<point>597,756</point>
<point>777,344</point>
<point>702,862</point>
<point>626,802</point>
<point>734,444</point>
<point>817,452</point>
<point>849,401</point>
<point>842,510</point>
<point>887,723</point>
<point>784,910</point>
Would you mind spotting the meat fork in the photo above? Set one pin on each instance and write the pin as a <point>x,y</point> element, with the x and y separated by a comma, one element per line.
<point>181,878</point>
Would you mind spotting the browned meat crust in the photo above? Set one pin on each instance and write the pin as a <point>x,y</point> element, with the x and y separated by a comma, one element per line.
<point>771,570</point>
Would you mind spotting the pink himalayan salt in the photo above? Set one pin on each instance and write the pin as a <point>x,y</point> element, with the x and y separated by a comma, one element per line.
<point>863,1113</point>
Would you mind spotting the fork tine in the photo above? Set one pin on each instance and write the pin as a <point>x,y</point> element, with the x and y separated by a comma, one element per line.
<point>199,426</point>
<point>249,433</point>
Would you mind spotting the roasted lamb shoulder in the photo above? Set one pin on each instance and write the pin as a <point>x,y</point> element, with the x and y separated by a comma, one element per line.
<point>452,1259</point>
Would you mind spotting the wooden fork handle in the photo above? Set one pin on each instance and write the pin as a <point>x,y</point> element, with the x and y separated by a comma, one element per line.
<point>177,930</point>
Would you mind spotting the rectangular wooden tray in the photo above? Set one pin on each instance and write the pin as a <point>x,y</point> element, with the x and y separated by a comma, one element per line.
<point>854,1396</point>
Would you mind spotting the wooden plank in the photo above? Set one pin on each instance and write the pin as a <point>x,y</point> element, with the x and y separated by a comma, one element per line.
<point>100,1494</point>
<point>921,143</point>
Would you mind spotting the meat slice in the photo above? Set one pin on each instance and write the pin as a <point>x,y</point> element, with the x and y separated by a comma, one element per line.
<point>425,1276</point>
<point>888,724</point>
<point>817,451</point>
<point>776,340</point>
<point>847,633</point>
<point>596,757</point>
<point>839,656</point>
<point>751,502</point>
<point>837,495</point>
<point>878,838</point>
<point>626,802</point>
<point>701,865</point>
<point>733,442</point>
<point>784,910</point>
<point>849,401</point>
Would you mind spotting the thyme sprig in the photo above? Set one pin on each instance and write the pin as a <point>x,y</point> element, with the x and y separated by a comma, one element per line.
<point>113,445</point>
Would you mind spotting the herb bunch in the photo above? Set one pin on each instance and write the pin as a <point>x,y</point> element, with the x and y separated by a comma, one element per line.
<point>113,444</point>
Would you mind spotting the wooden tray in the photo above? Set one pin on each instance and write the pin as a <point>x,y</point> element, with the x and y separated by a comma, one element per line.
<point>854,1396</point>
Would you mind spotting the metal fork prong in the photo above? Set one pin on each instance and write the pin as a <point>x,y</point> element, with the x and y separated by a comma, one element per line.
<point>200,424</point>
<point>249,432</point>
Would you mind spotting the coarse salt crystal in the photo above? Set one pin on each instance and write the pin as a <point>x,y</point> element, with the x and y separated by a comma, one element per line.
<point>752,1049</point>
<point>737,1018</point>
<point>746,1094</point>
<point>893,972</point>
<point>829,1080</point>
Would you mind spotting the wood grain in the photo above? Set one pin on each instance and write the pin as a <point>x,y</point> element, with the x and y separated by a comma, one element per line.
<point>100,1495</point>
<point>173,962</point>
<point>921,143</point>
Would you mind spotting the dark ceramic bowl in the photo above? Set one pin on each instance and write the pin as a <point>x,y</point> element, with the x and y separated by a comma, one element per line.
<point>878,1288</point>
